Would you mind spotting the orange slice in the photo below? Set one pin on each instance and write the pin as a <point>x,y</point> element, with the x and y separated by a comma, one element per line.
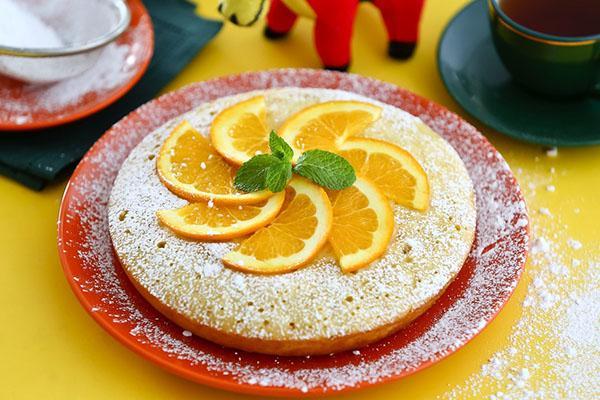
<point>391,168</point>
<point>363,223</point>
<point>209,221</point>
<point>293,238</point>
<point>240,132</point>
<point>325,125</point>
<point>191,168</point>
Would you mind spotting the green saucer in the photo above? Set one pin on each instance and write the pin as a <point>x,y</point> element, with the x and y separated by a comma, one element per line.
<point>476,78</point>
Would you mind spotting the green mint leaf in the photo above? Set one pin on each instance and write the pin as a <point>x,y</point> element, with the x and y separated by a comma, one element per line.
<point>278,176</point>
<point>326,169</point>
<point>252,175</point>
<point>279,148</point>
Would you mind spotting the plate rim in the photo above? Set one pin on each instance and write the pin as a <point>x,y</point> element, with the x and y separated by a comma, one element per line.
<point>215,381</point>
<point>521,135</point>
<point>142,12</point>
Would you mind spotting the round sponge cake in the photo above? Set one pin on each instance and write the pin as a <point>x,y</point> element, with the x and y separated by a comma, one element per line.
<point>316,309</point>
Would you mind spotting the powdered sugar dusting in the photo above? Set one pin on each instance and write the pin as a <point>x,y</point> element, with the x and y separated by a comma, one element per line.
<point>310,303</point>
<point>109,72</point>
<point>484,284</point>
<point>560,322</point>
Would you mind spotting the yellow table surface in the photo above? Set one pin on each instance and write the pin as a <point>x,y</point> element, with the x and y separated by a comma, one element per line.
<point>51,349</point>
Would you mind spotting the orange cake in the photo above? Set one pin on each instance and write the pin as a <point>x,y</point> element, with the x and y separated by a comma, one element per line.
<point>306,264</point>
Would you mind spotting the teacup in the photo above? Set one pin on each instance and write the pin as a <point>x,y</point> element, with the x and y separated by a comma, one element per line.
<point>560,66</point>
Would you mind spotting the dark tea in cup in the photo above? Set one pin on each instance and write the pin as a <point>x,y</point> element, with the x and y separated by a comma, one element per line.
<point>549,46</point>
<point>569,18</point>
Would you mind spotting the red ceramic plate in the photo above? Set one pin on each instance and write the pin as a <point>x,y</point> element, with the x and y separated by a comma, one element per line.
<point>26,106</point>
<point>486,281</point>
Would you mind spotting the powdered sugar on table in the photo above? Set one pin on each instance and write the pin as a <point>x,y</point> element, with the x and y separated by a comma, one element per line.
<point>560,321</point>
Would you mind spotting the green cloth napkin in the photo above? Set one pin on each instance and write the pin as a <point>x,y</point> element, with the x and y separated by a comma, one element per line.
<point>37,158</point>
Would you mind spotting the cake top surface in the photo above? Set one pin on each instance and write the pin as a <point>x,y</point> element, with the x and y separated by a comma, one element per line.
<point>319,301</point>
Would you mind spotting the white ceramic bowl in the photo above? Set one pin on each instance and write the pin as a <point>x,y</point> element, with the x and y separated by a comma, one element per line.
<point>82,28</point>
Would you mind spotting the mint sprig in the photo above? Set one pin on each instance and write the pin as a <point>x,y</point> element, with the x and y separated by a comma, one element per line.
<point>252,175</point>
<point>279,148</point>
<point>278,176</point>
<point>325,169</point>
<point>274,171</point>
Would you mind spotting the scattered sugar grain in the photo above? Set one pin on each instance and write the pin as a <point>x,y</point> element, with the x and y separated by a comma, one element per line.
<point>574,244</point>
<point>540,245</point>
<point>22,119</point>
<point>552,152</point>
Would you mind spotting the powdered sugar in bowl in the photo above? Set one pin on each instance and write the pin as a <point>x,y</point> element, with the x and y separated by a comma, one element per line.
<point>51,40</point>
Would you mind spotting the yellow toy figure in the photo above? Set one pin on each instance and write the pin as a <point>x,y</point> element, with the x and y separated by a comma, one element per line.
<point>334,20</point>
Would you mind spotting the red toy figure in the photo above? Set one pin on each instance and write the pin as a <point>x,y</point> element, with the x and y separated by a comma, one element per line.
<point>334,20</point>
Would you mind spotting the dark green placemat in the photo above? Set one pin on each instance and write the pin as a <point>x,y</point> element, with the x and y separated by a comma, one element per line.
<point>37,158</point>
